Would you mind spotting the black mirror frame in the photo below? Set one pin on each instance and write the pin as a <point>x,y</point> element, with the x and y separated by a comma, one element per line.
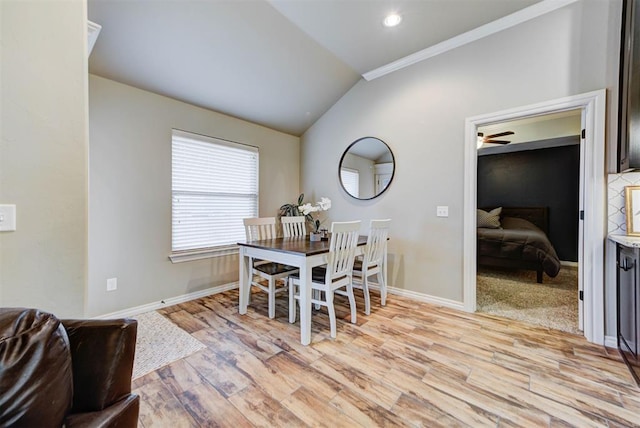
<point>393,173</point>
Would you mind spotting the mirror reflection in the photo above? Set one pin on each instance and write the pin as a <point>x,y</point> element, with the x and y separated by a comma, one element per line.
<point>366,168</point>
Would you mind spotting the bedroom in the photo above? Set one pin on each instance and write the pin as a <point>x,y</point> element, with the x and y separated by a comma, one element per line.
<point>536,166</point>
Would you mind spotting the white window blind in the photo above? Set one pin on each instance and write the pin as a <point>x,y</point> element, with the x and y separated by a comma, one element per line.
<point>351,181</point>
<point>214,186</point>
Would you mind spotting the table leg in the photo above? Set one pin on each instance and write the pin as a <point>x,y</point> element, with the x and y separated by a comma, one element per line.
<point>305,304</point>
<point>245,271</point>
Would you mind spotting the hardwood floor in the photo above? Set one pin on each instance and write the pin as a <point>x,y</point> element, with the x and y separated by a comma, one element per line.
<point>407,364</point>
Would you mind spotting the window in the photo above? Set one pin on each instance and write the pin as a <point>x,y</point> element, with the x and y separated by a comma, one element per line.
<point>214,186</point>
<point>351,181</point>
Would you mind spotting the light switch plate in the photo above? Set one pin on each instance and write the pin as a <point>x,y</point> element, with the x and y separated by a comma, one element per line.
<point>7,218</point>
<point>442,211</point>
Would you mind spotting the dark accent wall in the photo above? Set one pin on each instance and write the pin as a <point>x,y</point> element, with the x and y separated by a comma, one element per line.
<point>543,177</point>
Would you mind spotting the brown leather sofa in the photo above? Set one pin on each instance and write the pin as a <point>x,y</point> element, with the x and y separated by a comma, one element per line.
<point>71,373</point>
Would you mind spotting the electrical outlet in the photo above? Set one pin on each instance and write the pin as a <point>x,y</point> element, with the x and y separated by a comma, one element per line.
<point>442,211</point>
<point>7,218</point>
<point>112,284</point>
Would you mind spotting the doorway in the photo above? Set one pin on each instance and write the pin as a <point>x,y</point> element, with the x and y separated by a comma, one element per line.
<point>528,258</point>
<point>592,201</point>
<point>383,175</point>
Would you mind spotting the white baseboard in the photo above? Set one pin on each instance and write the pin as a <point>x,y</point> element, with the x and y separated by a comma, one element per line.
<point>130,312</point>
<point>567,263</point>
<point>610,342</point>
<point>426,298</point>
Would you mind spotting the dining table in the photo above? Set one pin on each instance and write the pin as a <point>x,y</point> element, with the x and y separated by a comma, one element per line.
<point>297,251</point>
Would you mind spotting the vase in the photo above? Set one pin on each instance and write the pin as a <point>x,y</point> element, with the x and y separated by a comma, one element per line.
<point>315,236</point>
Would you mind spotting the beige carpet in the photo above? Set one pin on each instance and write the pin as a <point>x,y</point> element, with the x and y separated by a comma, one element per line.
<point>159,343</point>
<point>517,295</point>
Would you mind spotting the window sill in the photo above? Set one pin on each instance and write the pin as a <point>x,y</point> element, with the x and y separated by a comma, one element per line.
<point>188,256</point>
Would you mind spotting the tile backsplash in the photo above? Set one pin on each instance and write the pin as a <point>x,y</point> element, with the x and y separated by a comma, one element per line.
<point>616,216</point>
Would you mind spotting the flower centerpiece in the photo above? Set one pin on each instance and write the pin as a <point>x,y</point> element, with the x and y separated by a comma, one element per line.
<point>307,210</point>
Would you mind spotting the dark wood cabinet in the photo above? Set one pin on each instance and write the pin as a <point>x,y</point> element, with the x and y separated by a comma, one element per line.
<point>628,304</point>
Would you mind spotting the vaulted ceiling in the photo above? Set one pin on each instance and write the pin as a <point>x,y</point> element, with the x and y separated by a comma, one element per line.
<point>278,63</point>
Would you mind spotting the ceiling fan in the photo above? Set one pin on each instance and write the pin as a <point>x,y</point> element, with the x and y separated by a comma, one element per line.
<point>490,138</point>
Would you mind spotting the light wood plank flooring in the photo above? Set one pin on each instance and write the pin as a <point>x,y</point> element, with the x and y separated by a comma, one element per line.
<point>407,364</point>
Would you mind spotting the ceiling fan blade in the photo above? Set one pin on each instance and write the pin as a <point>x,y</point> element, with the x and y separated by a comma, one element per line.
<point>497,141</point>
<point>499,134</point>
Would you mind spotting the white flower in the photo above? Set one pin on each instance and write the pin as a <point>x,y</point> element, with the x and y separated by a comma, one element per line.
<point>305,208</point>
<point>325,203</point>
<point>308,208</point>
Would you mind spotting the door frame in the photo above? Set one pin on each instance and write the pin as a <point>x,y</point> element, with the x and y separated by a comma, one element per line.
<point>593,106</point>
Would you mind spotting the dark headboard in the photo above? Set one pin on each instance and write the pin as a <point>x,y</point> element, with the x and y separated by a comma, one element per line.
<point>536,215</point>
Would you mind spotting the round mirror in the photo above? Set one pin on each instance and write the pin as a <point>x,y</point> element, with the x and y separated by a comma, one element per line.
<point>366,168</point>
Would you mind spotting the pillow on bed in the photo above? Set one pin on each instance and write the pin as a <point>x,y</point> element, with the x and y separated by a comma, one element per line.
<point>491,219</point>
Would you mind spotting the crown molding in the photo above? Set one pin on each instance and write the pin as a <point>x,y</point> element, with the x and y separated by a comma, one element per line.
<point>485,30</point>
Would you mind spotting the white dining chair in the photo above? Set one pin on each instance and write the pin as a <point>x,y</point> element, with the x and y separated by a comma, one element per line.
<point>257,229</point>
<point>330,279</point>
<point>372,262</point>
<point>294,226</point>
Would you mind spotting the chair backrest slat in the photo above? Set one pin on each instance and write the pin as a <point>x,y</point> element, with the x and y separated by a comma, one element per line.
<point>259,228</point>
<point>342,249</point>
<point>294,226</point>
<point>377,241</point>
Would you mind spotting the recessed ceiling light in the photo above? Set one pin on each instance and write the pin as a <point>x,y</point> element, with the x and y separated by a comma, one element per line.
<point>392,20</point>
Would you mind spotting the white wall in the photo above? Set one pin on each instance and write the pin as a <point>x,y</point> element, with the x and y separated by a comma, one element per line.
<point>43,154</point>
<point>130,193</point>
<point>420,112</point>
<point>535,131</point>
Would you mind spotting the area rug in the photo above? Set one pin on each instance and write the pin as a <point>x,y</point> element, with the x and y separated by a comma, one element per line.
<point>160,342</point>
<point>517,295</point>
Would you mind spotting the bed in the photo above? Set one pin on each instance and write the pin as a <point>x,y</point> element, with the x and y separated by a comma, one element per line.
<point>518,241</point>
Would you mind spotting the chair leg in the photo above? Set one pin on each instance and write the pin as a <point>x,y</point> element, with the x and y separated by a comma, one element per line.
<point>352,302</point>
<point>272,298</point>
<point>365,292</point>
<point>383,289</point>
<point>316,296</point>
<point>332,312</point>
<point>251,278</point>
<point>292,302</point>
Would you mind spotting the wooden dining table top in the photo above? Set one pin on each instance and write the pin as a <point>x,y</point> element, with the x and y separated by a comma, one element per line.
<point>296,245</point>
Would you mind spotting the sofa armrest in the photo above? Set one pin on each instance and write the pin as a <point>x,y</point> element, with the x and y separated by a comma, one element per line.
<point>102,353</point>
